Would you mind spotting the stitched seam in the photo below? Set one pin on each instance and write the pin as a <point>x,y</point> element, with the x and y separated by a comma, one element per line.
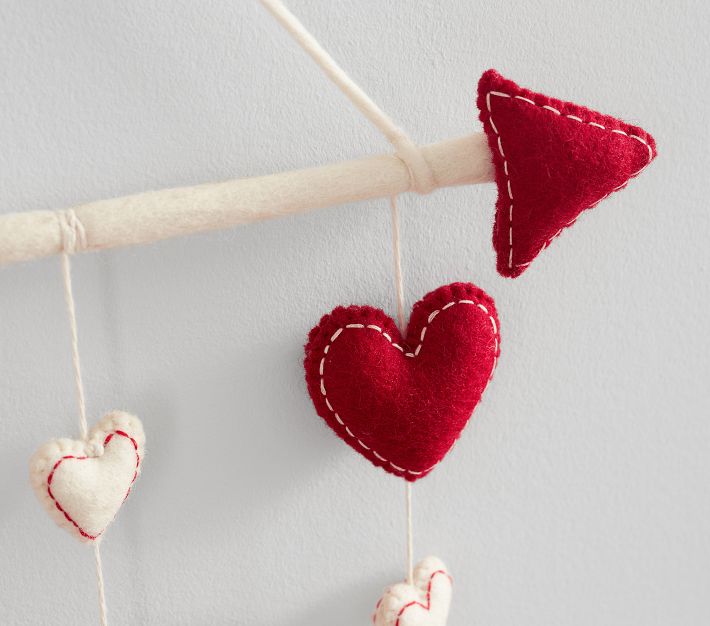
<point>427,606</point>
<point>507,174</point>
<point>108,438</point>
<point>412,355</point>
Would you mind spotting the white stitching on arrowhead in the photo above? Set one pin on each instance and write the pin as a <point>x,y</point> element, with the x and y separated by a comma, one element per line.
<point>507,175</point>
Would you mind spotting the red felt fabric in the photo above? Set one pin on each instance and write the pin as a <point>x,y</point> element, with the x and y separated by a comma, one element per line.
<point>404,407</point>
<point>553,160</point>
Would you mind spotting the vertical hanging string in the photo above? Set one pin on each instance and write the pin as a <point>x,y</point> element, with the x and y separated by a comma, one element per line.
<point>397,252</point>
<point>73,239</point>
<point>71,313</point>
<point>100,584</point>
<point>399,286</point>
<point>410,535</point>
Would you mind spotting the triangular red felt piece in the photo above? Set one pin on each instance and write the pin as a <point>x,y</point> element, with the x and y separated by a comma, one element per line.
<point>553,160</point>
<point>402,401</point>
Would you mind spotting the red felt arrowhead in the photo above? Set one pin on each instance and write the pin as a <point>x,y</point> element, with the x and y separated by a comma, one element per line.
<point>553,160</point>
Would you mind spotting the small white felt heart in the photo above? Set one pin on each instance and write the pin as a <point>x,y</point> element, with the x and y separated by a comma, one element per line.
<point>424,603</point>
<point>83,484</point>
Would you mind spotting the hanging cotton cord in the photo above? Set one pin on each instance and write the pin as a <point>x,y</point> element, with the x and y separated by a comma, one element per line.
<point>396,250</point>
<point>73,232</point>
<point>100,584</point>
<point>420,175</point>
<point>410,535</point>
<point>399,286</point>
<point>74,239</point>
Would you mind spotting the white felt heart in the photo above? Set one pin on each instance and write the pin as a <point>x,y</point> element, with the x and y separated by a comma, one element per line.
<point>83,484</point>
<point>423,603</point>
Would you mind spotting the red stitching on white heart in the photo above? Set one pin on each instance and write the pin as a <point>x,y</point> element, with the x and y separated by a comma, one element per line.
<point>84,458</point>
<point>507,175</point>
<point>337,333</point>
<point>414,603</point>
<point>426,607</point>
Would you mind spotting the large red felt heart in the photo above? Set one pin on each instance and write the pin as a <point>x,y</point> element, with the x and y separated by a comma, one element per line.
<point>402,402</point>
<point>553,160</point>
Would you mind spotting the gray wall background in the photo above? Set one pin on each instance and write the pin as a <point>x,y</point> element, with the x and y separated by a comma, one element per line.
<point>579,492</point>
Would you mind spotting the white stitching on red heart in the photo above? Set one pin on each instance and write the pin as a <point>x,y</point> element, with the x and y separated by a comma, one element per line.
<point>430,319</point>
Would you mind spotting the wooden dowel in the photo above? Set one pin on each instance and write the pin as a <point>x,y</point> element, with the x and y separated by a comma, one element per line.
<point>156,215</point>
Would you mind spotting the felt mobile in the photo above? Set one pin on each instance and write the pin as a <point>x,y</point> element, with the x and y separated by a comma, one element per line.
<point>398,394</point>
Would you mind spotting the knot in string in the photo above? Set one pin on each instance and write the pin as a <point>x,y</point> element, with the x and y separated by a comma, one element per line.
<point>72,232</point>
<point>421,178</point>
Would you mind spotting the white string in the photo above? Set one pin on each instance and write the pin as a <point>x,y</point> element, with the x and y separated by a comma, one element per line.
<point>421,177</point>
<point>410,535</point>
<point>399,285</point>
<point>100,584</point>
<point>73,239</point>
<point>397,252</point>
<point>72,233</point>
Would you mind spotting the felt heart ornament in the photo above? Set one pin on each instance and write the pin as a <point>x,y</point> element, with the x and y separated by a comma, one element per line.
<point>83,483</point>
<point>552,160</point>
<point>425,602</point>
<point>402,402</point>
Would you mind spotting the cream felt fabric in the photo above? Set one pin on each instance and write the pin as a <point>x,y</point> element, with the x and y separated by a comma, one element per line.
<point>423,603</point>
<point>83,484</point>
